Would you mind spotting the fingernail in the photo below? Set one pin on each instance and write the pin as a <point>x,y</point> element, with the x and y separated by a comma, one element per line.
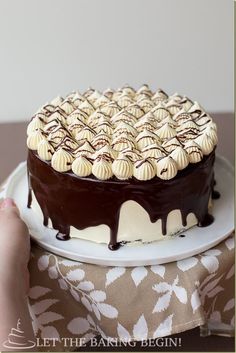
<point>7,203</point>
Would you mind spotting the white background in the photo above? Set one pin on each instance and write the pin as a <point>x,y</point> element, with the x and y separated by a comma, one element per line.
<point>52,47</point>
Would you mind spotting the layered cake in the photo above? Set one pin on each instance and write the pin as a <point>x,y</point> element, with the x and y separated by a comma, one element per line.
<point>122,166</point>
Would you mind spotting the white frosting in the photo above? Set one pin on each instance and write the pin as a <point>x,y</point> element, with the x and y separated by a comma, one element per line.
<point>205,142</point>
<point>122,167</point>
<point>35,124</point>
<point>166,132</point>
<point>194,151</point>
<point>34,139</point>
<point>141,124</point>
<point>45,150</point>
<point>102,168</point>
<point>62,160</point>
<point>180,157</point>
<point>82,167</point>
<point>144,169</point>
<point>166,168</point>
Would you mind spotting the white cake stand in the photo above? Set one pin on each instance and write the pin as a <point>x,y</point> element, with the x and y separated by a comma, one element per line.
<point>195,241</point>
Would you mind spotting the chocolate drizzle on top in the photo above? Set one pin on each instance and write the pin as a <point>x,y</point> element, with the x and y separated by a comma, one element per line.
<point>69,200</point>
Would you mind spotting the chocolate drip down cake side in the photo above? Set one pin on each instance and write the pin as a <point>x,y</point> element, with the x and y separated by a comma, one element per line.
<point>121,167</point>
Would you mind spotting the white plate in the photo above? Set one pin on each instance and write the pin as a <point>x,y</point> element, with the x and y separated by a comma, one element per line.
<point>196,239</point>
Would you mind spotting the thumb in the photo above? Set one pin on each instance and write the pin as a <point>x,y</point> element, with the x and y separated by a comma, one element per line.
<point>8,205</point>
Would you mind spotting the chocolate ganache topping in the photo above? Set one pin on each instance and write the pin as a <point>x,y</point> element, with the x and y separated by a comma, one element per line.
<point>89,153</point>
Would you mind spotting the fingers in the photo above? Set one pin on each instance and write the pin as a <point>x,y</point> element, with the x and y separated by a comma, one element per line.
<point>8,205</point>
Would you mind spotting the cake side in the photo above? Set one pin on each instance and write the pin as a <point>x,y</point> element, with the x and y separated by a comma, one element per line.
<point>70,201</point>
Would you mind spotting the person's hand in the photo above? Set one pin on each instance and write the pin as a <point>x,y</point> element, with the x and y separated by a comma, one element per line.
<point>14,248</point>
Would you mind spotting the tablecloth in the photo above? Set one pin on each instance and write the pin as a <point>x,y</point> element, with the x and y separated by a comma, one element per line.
<point>69,299</point>
<point>73,302</point>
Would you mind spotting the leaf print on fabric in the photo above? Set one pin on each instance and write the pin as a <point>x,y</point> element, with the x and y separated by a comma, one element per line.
<point>48,317</point>
<point>230,273</point>
<point>86,286</point>
<point>78,326</point>
<point>165,328</point>
<point>161,287</point>
<point>50,332</point>
<point>86,303</point>
<point>187,264</point>
<point>212,252</point>
<point>229,305</point>
<point>43,305</point>
<point>107,310</point>
<point>140,329</point>
<point>75,275</point>
<point>113,274</point>
<point>211,263</point>
<point>43,262</point>
<point>138,274</point>
<point>38,291</point>
<point>41,317</point>
<point>123,334</point>
<point>96,311</point>
<point>163,301</point>
<point>158,270</point>
<point>52,272</point>
<point>62,283</point>
<point>75,294</point>
<point>230,243</point>
<point>180,293</point>
<point>195,301</point>
<point>98,295</point>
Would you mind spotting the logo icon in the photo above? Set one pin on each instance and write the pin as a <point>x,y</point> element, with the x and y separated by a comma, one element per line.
<point>17,339</point>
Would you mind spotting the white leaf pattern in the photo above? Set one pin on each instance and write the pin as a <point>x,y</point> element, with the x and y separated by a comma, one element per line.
<point>140,330</point>
<point>158,270</point>
<point>107,310</point>
<point>212,252</point>
<point>215,291</point>
<point>48,317</point>
<point>96,311</point>
<point>75,275</point>
<point>86,303</point>
<point>230,273</point>
<point>186,264</point>
<point>230,243</point>
<point>75,294</point>
<point>43,305</point>
<point>43,262</point>
<point>113,274</point>
<point>181,294</point>
<point>62,283</point>
<point>229,305</point>
<point>38,291</point>
<point>138,274</point>
<point>123,333</point>
<point>86,286</point>
<point>162,303</point>
<point>50,332</point>
<point>211,263</point>
<point>78,326</point>
<point>161,287</point>
<point>52,272</point>
<point>164,329</point>
<point>91,321</point>
<point>195,300</point>
<point>98,295</point>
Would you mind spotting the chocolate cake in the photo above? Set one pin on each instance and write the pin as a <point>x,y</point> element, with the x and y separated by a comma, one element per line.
<point>122,166</point>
